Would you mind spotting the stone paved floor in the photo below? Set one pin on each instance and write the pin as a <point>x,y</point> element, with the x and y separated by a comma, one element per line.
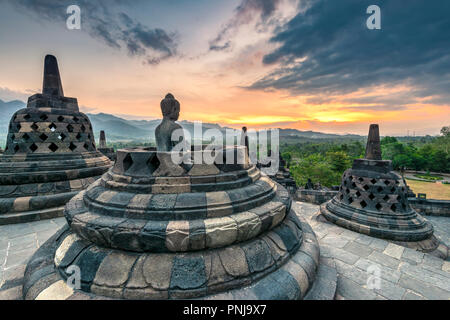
<point>405,273</point>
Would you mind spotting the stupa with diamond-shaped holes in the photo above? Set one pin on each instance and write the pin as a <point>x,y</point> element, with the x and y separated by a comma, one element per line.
<point>373,200</point>
<point>50,154</point>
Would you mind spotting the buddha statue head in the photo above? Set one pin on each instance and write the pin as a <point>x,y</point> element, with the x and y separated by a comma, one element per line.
<point>170,108</point>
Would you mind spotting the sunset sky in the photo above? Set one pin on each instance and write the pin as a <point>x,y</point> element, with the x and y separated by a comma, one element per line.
<point>304,64</point>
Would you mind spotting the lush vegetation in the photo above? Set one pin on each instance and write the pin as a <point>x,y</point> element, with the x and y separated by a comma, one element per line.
<point>321,162</point>
<point>429,177</point>
<point>429,156</point>
<point>325,161</point>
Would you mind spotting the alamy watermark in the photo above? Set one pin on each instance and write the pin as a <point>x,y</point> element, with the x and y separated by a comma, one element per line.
<point>257,147</point>
<point>374,278</point>
<point>374,21</point>
<point>73,22</point>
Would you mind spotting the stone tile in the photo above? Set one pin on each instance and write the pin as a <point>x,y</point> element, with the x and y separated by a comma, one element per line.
<point>439,280</point>
<point>358,249</point>
<point>384,260</point>
<point>334,241</point>
<point>350,290</point>
<point>344,256</point>
<point>431,261</point>
<point>363,239</point>
<point>386,272</point>
<point>424,289</point>
<point>3,244</point>
<point>390,291</point>
<point>378,244</point>
<point>446,266</point>
<point>350,235</point>
<point>410,295</point>
<point>413,255</point>
<point>18,257</point>
<point>349,271</point>
<point>394,250</point>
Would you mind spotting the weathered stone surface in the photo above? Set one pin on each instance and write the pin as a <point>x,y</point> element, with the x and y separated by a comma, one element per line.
<point>114,270</point>
<point>50,154</point>
<point>157,270</point>
<point>372,199</point>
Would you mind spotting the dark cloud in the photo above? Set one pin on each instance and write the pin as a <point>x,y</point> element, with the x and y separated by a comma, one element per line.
<point>327,49</point>
<point>103,20</point>
<point>245,13</point>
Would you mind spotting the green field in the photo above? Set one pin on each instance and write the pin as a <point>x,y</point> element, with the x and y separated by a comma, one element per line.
<point>433,190</point>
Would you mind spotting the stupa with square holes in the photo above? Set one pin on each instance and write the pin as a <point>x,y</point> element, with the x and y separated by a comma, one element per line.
<point>50,154</point>
<point>153,228</point>
<point>373,200</point>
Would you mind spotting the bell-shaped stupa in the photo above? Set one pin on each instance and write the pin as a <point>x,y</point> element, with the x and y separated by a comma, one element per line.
<point>211,227</point>
<point>50,154</point>
<point>373,200</point>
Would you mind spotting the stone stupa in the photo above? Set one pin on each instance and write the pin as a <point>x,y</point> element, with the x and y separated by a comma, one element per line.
<point>283,177</point>
<point>103,148</point>
<point>50,154</point>
<point>151,228</point>
<point>373,200</point>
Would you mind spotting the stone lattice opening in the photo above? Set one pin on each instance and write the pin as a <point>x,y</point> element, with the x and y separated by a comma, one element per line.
<point>43,137</point>
<point>52,127</point>
<point>153,163</point>
<point>62,136</point>
<point>34,126</point>
<point>127,162</point>
<point>33,147</point>
<point>72,147</point>
<point>53,147</point>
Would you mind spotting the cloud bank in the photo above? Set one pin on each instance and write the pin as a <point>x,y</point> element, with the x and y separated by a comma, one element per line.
<point>104,21</point>
<point>327,50</point>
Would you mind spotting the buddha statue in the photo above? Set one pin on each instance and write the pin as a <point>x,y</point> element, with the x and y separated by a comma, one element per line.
<point>170,108</point>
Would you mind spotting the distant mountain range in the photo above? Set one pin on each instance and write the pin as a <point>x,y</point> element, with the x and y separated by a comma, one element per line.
<point>119,129</point>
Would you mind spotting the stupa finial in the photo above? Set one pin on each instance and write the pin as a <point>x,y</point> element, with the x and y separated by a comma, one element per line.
<point>52,81</point>
<point>373,148</point>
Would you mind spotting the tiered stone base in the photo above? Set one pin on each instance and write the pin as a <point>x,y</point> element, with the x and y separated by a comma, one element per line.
<point>280,264</point>
<point>109,152</point>
<point>411,231</point>
<point>153,229</point>
<point>35,187</point>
